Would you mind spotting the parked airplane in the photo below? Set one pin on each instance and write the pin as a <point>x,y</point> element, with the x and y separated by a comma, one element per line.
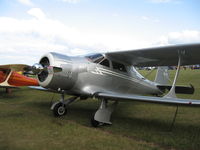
<point>10,77</point>
<point>111,77</point>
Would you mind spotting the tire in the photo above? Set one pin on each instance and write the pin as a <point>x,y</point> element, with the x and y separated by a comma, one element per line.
<point>59,110</point>
<point>94,123</point>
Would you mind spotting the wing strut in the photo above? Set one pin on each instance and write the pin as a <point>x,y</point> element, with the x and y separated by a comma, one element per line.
<point>171,93</point>
<point>174,118</point>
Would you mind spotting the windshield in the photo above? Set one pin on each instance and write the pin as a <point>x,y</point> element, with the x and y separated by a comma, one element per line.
<point>95,58</point>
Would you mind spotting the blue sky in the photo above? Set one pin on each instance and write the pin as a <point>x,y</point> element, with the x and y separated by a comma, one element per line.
<point>30,28</point>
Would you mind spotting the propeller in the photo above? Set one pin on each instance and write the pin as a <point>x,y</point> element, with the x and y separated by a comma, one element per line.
<point>37,69</point>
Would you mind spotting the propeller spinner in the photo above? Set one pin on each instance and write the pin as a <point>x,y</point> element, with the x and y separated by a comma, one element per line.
<point>37,68</point>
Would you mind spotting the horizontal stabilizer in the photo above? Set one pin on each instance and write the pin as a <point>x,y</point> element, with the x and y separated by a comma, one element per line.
<point>178,89</point>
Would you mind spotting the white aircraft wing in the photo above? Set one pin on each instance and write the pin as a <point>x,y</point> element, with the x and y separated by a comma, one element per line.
<point>150,99</point>
<point>159,56</point>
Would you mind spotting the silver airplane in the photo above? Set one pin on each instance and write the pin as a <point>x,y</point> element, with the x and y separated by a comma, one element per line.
<point>111,77</point>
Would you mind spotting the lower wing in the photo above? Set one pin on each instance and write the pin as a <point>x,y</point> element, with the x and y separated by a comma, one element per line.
<point>150,99</point>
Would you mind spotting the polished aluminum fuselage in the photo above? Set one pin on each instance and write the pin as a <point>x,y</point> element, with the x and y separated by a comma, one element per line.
<point>79,76</point>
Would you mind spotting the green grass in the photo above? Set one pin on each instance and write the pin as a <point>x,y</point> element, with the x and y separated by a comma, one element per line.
<point>26,122</point>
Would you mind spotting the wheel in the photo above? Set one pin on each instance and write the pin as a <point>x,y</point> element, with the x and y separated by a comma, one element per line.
<point>59,110</point>
<point>95,123</point>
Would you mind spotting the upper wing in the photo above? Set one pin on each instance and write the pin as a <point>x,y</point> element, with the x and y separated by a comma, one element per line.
<point>150,99</point>
<point>159,56</point>
<point>14,67</point>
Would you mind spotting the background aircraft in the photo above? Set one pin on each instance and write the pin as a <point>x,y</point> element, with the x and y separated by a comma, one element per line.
<point>111,77</point>
<point>11,78</point>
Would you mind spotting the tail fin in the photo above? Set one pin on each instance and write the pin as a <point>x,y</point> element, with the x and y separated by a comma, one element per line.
<point>162,76</point>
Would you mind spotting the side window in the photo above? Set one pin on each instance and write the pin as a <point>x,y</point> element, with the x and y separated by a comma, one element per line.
<point>119,66</point>
<point>105,62</point>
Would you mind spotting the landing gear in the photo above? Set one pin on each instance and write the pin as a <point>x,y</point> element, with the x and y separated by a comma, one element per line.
<point>95,123</point>
<point>103,114</point>
<point>60,108</point>
<point>101,117</point>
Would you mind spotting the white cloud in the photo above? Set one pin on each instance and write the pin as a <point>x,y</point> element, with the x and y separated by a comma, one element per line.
<point>146,18</point>
<point>183,37</point>
<point>26,2</point>
<point>25,41</point>
<point>31,38</point>
<point>37,35</point>
<point>37,12</point>
<point>115,15</point>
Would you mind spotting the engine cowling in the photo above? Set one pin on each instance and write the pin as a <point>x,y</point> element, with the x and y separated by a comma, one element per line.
<point>50,78</point>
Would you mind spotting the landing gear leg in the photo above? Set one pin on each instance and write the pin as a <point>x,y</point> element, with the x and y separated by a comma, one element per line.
<point>60,108</point>
<point>103,114</point>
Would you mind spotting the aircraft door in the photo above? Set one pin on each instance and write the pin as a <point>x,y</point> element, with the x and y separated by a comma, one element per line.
<point>121,79</point>
<point>105,77</point>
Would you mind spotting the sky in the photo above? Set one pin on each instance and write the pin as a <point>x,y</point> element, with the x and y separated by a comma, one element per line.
<point>31,28</point>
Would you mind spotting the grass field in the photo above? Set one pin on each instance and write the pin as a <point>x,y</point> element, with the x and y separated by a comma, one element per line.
<point>26,123</point>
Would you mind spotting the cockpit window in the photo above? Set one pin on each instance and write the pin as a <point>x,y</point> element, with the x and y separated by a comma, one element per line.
<point>99,59</point>
<point>105,62</point>
<point>119,66</point>
<point>95,58</point>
